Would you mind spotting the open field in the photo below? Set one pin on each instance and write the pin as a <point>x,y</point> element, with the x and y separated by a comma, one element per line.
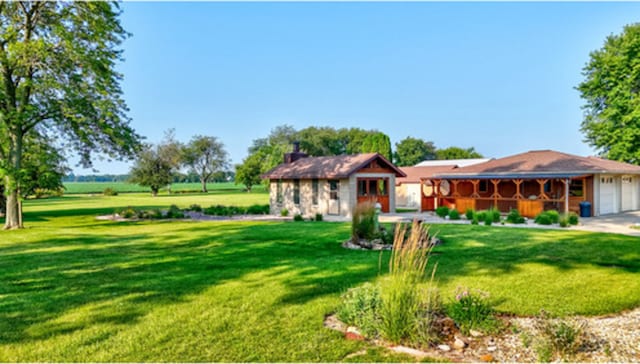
<point>76,289</point>
<point>124,187</point>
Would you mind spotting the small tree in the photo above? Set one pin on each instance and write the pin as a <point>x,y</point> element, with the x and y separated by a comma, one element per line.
<point>248,173</point>
<point>457,153</point>
<point>205,156</point>
<point>156,166</point>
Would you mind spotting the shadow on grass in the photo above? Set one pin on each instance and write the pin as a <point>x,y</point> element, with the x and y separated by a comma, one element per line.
<point>43,281</point>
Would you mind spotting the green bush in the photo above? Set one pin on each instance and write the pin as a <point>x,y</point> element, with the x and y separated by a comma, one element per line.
<point>474,221</point>
<point>154,214</point>
<point>481,215</point>
<point>257,210</point>
<point>573,218</point>
<point>128,213</point>
<point>514,217</point>
<point>284,212</point>
<point>360,307</point>
<point>472,311</point>
<point>554,215</point>
<point>110,192</point>
<point>363,221</point>
<point>543,218</point>
<point>442,211</point>
<point>469,214</point>
<point>319,217</point>
<point>195,207</point>
<point>174,213</point>
<point>495,214</point>
<point>298,217</point>
<point>488,218</point>
<point>454,214</point>
<point>564,221</point>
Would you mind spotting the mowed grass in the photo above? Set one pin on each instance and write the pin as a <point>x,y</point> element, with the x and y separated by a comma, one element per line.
<point>76,289</point>
<point>72,188</point>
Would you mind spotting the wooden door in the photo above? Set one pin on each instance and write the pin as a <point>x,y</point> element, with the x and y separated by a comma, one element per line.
<point>374,189</point>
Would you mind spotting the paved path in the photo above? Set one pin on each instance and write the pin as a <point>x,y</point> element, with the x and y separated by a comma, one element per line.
<point>618,223</point>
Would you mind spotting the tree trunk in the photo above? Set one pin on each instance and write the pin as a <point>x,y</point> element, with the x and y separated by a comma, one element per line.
<point>3,201</point>
<point>13,217</point>
<point>154,191</point>
<point>204,185</point>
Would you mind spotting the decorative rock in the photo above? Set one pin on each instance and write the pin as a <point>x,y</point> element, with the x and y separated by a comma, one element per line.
<point>409,351</point>
<point>353,334</point>
<point>487,358</point>
<point>459,344</point>
<point>492,348</point>
<point>444,347</point>
<point>475,333</point>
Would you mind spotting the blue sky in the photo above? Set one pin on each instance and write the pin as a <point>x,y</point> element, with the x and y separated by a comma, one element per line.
<point>496,76</point>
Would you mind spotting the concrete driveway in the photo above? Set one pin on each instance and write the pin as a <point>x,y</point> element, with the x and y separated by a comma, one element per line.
<point>617,223</point>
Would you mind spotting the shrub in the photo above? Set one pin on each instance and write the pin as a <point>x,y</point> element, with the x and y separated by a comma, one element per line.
<point>363,221</point>
<point>573,218</point>
<point>454,214</point>
<point>558,338</point>
<point>128,213</point>
<point>154,214</point>
<point>543,219</point>
<point>495,214</point>
<point>284,212</point>
<point>174,213</point>
<point>472,311</point>
<point>360,307</point>
<point>488,219</point>
<point>442,211</point>
<point>319,217</point>
<point>554,215</point>
<point>469,214</point>
<point>564,221</point>
<point>481,215</point>
<point>195,207</point>
<point>257,210</point>
<point>110,192</point>
<point>514,217</point>
<point>298,217</point>
<point>474,221</point>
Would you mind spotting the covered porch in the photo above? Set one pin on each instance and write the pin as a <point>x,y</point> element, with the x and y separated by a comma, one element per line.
<point>530,195</point>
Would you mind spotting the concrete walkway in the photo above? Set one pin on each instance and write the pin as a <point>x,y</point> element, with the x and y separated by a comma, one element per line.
<point>618,223</point>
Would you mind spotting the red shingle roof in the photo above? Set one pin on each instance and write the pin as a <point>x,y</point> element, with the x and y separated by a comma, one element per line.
<point>341,166</point>
<point>542,162</point>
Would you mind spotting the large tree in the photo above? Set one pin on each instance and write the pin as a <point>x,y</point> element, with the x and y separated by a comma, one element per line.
<point>57,75</point>
<point>248,172</point>
<point>377,142</point>
<point>457,153</point>
<point>611,89</point>
<point>411,151</point>
<point>205,155</point>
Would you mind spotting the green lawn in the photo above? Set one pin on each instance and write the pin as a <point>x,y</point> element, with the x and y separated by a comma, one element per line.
<point>72,188</point>
<point>76,289</point>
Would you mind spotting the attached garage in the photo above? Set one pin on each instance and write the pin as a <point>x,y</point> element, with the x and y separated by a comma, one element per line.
<point>608,200</point>
<point>629,193</point>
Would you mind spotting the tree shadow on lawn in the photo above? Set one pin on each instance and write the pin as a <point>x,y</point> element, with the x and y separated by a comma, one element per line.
<point>43,282</point>
<point>503,250</point>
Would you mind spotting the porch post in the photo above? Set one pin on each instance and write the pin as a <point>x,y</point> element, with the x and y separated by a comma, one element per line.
<point>566,195</point>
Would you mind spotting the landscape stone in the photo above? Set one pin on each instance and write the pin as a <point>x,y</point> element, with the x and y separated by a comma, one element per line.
<point>444,347</point>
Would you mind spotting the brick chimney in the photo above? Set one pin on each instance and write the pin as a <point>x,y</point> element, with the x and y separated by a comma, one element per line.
<point>295,154</point>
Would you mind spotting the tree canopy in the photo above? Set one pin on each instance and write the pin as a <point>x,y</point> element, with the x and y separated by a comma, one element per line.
<point>457,153</point>
<point>156,165</point>
<point>58,77</point>
<point>205,155</point>
<point>411,151</point>
<point>611,90</point>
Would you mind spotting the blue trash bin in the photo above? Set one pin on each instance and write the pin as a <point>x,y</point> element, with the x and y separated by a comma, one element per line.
<point>585,209</point>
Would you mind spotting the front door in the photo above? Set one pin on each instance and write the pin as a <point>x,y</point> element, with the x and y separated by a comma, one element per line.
<point>428,200</point>
<point>374,189</point>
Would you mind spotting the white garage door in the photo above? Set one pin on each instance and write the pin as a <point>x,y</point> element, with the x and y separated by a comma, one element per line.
<point>607,195</point>
<point>629,198</point>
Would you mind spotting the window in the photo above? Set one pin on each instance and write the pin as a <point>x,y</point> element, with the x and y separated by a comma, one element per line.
<point>382,187</point>
<point>314,191</point>
<point>362,188</point>
<point>334,189</point>
<point>296,191</point>
<point>575,188</point>
<point>547,186</point>
<point>627,179</point>
<point>484,186</point>
<point>279,191</point>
